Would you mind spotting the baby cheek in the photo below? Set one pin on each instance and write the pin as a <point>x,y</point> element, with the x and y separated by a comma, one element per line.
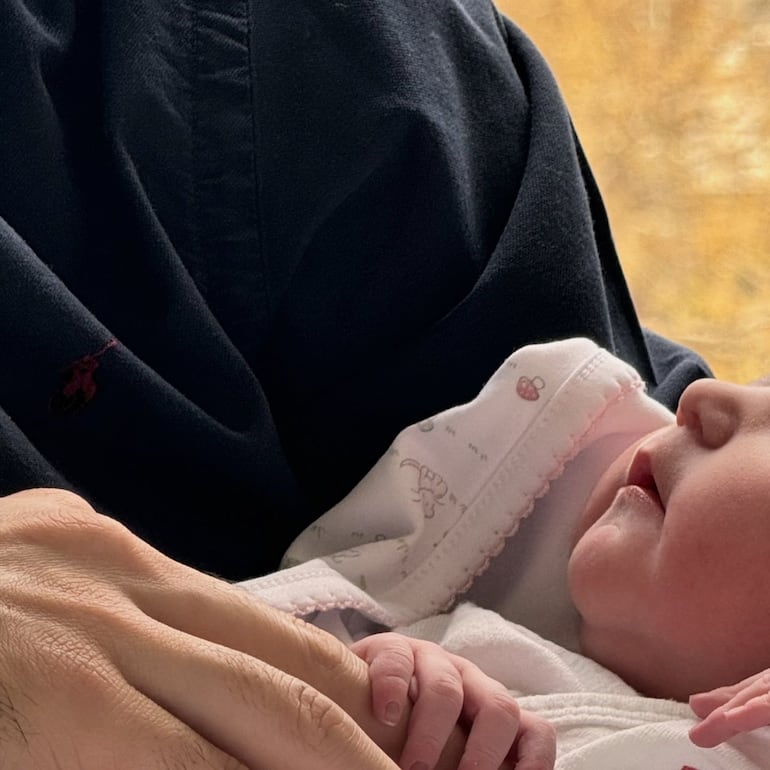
<point>719,537</point>
<point>592,570</point>
<point>711,571</point>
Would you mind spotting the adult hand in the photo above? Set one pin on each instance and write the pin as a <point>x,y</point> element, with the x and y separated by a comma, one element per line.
<point>730,710</point>
<point>114,656</point>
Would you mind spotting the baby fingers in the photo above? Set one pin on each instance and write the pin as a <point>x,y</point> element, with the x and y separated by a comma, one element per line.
<point>728,711</point>
<point>703,703</point>
<point>535,747</point>
<point>494,719</point>
<point>391,666</point>
<point>447,689</point>
<point>438,695</point>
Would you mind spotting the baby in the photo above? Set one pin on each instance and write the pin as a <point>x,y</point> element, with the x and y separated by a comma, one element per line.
<point>683,515</point>
<point>567,500</point>
<point>669,572</point>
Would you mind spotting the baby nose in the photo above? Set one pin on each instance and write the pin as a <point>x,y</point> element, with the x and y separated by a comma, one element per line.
<point>713,410</point>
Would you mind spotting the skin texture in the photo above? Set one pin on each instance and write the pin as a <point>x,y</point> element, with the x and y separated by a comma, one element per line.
<point>446,688</point>
<point>727,711</point>
<point>669,571</point>
<point>114,656</point>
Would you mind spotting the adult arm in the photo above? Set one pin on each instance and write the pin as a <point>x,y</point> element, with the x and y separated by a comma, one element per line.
<point>112,655</point>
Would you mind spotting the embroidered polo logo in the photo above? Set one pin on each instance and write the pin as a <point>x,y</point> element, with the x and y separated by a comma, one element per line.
<point>78,385</point>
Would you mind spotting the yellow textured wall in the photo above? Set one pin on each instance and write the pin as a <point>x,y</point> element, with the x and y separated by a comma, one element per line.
<point>672,103</point>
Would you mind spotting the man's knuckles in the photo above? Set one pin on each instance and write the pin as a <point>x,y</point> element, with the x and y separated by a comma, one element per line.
<point>65,528</point>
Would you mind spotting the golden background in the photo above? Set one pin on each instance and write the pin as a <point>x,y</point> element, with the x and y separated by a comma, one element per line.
<point>671,101</point>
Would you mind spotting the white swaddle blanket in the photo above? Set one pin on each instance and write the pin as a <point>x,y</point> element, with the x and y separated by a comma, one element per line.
<point>460,534</point>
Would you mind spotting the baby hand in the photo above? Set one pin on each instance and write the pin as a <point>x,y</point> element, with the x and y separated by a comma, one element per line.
<point>728,711</point>
<point>445,689</point>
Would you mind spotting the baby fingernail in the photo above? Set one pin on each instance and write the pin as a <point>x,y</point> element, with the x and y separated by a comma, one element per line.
<point>392,713</point>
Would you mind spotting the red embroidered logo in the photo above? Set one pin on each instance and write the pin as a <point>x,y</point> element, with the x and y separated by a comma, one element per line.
<point>78,385</point>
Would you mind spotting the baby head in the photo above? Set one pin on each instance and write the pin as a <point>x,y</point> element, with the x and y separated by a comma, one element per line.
<point>670,571</point>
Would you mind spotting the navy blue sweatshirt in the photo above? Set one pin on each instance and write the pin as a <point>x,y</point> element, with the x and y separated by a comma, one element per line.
<point>243,244</point>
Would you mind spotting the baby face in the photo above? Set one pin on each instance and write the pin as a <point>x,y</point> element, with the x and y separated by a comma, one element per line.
<point>671,567</point>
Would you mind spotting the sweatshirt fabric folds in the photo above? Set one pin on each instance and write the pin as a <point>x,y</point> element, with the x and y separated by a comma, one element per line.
<point>232,234</point>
